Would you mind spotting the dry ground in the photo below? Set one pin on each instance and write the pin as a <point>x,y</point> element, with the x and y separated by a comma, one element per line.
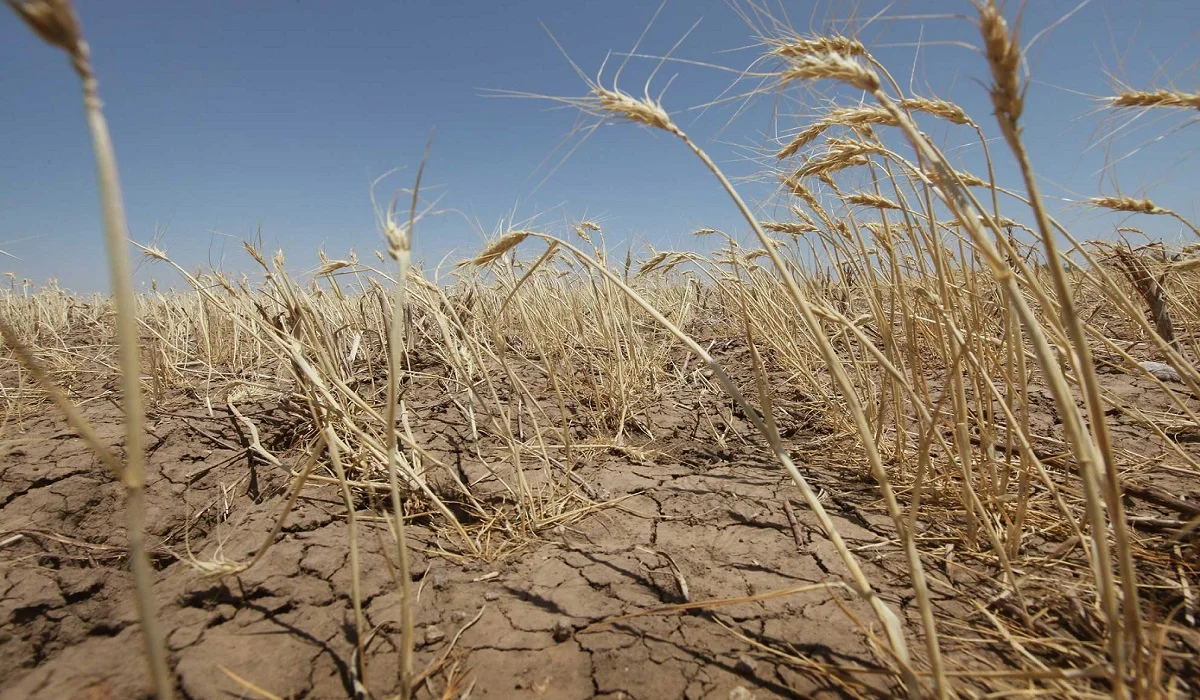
<point>518,623</point>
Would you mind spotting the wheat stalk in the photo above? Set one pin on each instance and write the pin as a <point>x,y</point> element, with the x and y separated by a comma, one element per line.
<point>1156,98</point>
<point>865,199</point>
<point>56,23</point>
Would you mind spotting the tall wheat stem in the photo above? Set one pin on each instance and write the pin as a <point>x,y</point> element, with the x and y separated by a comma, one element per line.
<point>56,23</point>
<point>399,242</point>
<point>834,363</point>
<point>964,208</point>
<point>1002,48</point>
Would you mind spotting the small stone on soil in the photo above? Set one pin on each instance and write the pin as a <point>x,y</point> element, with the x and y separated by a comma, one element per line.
<point>563,631</point>
<point>491,595</point>
<point>740,693</point>
<point>746,665</point>
<point>433,635</point>
<point>438,579</point>
<point>183,637</point>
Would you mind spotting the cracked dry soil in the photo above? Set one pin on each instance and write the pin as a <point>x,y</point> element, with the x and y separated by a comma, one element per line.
<point>68,627</point>
<point>523,625</point>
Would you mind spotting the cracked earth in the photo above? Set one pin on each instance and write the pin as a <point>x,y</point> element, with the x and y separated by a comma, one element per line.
<point>695,518</point>
<point>528,624</point>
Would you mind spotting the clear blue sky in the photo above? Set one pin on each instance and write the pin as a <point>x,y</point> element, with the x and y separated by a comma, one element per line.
<point>229,115</point>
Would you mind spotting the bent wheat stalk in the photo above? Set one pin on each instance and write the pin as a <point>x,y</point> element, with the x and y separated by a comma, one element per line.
<point>611,103</point>
<point>862,585</point>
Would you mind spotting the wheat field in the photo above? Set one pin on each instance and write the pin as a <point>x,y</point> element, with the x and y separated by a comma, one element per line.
<point>909,437</point>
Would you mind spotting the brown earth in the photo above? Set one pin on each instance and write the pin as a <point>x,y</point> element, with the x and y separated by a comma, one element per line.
<point>515,624</point>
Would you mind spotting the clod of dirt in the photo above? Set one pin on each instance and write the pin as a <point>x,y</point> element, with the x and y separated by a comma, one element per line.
<point>746,665</point>
<point>491,595</point>
<point>433,635</point>
<point>438,578</point>
<point>740,693</point>
<point>563,631</point>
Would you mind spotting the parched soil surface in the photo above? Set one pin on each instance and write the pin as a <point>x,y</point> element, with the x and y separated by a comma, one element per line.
<point>523,623</point>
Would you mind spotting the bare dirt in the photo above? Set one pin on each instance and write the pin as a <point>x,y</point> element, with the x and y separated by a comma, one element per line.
<point>689,512</point>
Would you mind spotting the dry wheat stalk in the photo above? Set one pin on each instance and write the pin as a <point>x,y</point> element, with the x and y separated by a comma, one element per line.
<point>845,116</point>
<point>654,262</point>
<point>497,248</point>
<point>1127,204</point>
<point>1139,206</point>
<point>858,116</point>
<point>842,154</point>
<point>801,140</point>
<point>799,47</point>
<point>789,227</point>
<point>829,66</point>
<point>1004,56</point>
<point>864,199</point>
<point>938,108</point>
<point>56,23</point>
<point>1156,98</point>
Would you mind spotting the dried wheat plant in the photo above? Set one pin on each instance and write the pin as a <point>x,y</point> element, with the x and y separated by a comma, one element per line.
<point>56,23</point>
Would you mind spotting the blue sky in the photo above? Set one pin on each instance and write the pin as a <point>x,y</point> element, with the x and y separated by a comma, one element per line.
<point>228,116</point>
